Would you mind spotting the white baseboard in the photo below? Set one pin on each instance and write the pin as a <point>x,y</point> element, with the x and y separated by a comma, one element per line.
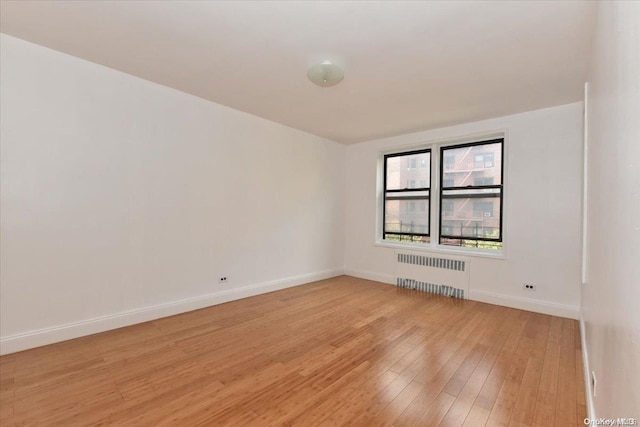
<point>384,278</point>
<point>544,307</point>
<point>536,306</point>
<point>591,413</point>
<point>40,337</point>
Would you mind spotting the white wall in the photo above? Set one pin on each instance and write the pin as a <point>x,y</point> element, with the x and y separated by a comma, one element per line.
<point>542,210</point>
<point>123,200</point>
<point>611,296</point>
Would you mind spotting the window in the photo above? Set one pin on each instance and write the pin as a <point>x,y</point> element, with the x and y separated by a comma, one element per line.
<point>478,205</point>
<point>447,208</point>
<point>449,162</point>
<point>482,209</point>
<point>406,207</point>
<point>470,189</point>
<point>484,160</point>
<point>483,180</point>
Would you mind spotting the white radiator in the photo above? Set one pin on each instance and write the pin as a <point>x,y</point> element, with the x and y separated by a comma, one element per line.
<point>442,275</point>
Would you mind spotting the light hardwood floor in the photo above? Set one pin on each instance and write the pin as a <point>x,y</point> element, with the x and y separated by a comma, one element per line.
<point>342,351</point>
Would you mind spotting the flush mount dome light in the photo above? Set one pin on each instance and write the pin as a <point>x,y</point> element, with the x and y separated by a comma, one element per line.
<point>325,74</point>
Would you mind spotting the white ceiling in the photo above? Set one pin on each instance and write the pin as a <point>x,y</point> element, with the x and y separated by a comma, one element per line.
<point>408,65</point>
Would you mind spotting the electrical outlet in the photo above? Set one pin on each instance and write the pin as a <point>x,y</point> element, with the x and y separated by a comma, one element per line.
<point>222,280</point>
<point>529,287</point>
<point>594,383</point>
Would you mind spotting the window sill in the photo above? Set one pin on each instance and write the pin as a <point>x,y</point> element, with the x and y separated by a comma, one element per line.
<point>442,250</point>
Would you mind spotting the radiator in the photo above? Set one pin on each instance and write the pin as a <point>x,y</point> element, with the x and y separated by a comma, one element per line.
<point>442,275</point>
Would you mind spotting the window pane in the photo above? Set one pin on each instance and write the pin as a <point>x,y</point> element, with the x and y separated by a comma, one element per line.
<point>449,161</point>
<point>410,171</point>
<point>447,208</point>
<point>483,180</point>
<point>471,165</point>
<point>471,217</point>
<point>407,216</point>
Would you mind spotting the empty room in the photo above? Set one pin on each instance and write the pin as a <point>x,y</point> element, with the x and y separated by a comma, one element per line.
<point>319,213</point>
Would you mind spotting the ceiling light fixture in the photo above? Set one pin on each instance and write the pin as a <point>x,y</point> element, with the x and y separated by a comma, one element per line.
<point>326,74</point>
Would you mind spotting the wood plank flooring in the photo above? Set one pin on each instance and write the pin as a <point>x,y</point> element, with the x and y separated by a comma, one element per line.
<point>342,351</point>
